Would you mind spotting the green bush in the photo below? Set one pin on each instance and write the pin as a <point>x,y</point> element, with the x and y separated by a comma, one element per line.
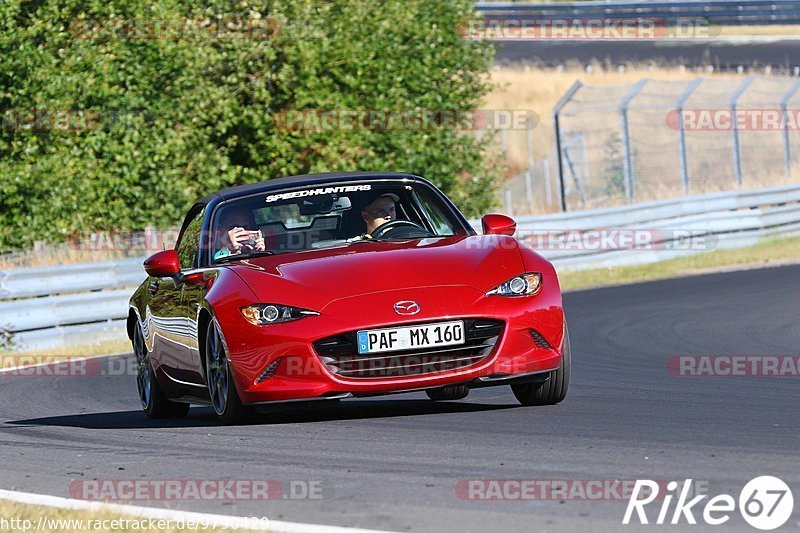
<point>6,338</point>
<point>171,119</point>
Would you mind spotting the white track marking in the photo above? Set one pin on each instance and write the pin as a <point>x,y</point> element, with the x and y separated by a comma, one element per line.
<point>161,514</point>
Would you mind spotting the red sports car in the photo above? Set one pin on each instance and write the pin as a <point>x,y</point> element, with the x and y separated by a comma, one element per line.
<point>328,286</point>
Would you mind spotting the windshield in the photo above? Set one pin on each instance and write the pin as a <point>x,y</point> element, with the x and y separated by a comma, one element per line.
<point>315,217</point>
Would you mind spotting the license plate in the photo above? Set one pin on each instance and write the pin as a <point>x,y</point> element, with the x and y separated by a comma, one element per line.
<point>411,337</point>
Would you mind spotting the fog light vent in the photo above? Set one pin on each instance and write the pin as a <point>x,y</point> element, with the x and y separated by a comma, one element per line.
<point>540,341</point>
<point>270,370</point>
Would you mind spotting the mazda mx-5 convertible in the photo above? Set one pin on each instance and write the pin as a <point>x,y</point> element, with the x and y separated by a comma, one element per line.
<point>330,286</point>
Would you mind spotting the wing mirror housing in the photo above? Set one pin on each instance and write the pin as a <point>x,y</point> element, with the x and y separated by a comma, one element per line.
<point>494,224</point>
<point>163,264</point>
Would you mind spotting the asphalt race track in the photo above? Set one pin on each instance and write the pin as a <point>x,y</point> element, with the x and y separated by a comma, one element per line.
<point>394,462</point>
<point>725,55</point>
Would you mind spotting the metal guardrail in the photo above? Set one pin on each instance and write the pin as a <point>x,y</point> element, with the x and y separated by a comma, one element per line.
<point>715,12</point>
<point>45,281</point>
<point>64,310</point>
<point>663,210</point>
<point>722,220</point>
<point>51,306</point>
<point>77,335</point>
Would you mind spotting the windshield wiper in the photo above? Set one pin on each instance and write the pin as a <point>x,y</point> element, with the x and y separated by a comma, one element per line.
<point>240,257</point>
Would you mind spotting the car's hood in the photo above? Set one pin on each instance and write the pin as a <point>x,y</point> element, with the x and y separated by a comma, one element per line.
<point>314,278</point>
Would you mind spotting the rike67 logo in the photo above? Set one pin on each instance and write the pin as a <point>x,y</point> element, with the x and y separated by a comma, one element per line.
<point>765,503</point>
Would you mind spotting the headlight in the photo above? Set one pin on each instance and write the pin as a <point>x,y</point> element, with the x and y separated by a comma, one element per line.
<point>522,285</point>
<point>265,314</point>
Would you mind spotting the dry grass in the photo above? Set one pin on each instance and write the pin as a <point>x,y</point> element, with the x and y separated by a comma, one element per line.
<point>54,520</point>
<point>539,89</point>
<point>68,352</point>
<point>595,117</point>
<point>756,31</point>
<point>60,254</point>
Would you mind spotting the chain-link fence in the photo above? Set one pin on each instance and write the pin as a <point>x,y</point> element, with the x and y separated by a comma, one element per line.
<point>660,139</point>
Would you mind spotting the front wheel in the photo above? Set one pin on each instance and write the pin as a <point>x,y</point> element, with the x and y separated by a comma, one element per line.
<point>154,403</point>
<point>221,388</point>
<point>555,388</point>
<point>450,392</point>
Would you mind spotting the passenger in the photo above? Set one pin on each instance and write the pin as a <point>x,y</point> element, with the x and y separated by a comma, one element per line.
<point>238,239</point>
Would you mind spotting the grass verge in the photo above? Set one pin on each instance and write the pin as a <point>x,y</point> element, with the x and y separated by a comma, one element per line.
<point>21,517</point>
<point>538,89</point>
<point>72,352</point>
<point>768,252</point>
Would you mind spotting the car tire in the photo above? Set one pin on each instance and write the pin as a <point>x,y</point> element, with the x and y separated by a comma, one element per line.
<point>555,388</point>
<point>154,402</point>
<point>451,392</point>
<point>219,379</point>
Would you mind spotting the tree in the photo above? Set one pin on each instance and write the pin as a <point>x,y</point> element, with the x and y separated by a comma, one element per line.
<point>118,115</point>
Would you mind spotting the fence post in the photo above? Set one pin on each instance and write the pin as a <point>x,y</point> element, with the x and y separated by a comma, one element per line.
<point>737,148</point>
<point>587,168</point>
<point>575,177</point>
<point>557,125</point>
<point>529,172</point>
<point>626,136</point>
<point>682,132</point>
<point>787,145</point>
<point>548,194</point>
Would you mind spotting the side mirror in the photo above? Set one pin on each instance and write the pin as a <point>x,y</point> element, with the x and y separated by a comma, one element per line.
<point>498,225</point>
<point>163,264</point>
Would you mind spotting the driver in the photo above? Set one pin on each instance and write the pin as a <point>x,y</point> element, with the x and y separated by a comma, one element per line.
<point>379,212</point>
<point>237,239</point>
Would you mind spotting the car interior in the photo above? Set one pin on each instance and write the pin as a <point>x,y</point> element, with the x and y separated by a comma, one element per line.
<point>327,220</point>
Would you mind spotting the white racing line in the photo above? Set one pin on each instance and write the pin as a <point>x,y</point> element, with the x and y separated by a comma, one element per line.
<point>220,521</point>
<point>214,520</point>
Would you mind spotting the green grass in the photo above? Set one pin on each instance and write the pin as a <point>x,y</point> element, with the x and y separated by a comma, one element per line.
<point>769,252</point>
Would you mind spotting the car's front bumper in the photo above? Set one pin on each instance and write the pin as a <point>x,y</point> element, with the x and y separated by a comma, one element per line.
<point>529,347</point>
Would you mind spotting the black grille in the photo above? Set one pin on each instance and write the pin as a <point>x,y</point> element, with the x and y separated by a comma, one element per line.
<point>540,341</point>
<point>340,355</point>
<point>269,372</point>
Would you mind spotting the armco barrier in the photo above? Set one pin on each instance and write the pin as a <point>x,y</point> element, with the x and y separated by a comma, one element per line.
<point>53,306</point>
<point>723,12</point>
<point>45,281</point>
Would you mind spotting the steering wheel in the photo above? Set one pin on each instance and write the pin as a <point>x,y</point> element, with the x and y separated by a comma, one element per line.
<point>394,224</point>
